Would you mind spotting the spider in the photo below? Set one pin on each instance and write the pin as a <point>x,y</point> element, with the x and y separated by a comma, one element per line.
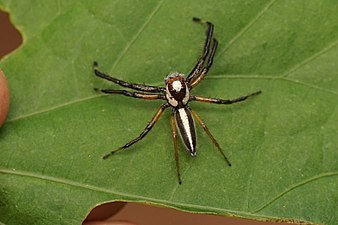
<point>176,93</point>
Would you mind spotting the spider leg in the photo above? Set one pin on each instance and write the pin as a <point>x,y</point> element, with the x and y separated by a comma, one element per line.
<point>174,134</point>
<point>197,69</point>
<point>223,101</point>
<point>144,132</point>
<point>199,120</point>
<point>198,78</point>
<point>132,94</point>
<point>138,87</point>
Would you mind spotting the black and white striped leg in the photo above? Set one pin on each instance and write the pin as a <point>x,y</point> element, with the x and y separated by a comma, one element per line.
<point>138,87</point>
<point>174,135</point>
<point>144,132</point>
<point>132,94</point>
<point>223,101</point>
<point>199,120</point>
<point>193,82</point>
<point>197,69</point>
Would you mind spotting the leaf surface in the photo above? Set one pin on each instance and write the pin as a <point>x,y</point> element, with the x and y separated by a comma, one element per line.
<point>282,144</point>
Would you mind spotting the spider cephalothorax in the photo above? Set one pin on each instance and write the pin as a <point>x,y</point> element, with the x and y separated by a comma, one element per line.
<point>177,91</point>
<point>177,95</point>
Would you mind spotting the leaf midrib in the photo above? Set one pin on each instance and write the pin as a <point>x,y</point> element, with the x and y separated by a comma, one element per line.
<point>253,213</point>
<point>108,191</point>
<point>81,100</point>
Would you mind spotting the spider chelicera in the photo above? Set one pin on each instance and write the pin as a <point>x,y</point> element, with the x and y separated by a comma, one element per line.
<point>176,93</point>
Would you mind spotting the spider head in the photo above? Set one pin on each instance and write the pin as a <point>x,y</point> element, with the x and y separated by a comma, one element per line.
<point>177,91</point>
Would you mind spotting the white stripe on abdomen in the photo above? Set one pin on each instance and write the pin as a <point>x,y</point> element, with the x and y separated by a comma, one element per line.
<point>184,117</point>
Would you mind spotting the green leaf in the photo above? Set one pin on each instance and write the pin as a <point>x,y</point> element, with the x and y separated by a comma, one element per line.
<point>282,144</point>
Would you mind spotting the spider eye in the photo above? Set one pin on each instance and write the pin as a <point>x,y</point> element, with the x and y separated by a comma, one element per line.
<point>172,75</point>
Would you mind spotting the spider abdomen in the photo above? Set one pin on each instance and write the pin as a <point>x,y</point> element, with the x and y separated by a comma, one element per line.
<point>186,127</point>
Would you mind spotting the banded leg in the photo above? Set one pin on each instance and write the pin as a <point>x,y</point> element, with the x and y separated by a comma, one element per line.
<point>144,132</point>
<point>138,87</point>
<point>223,101</point>
<point>132,94</point>
<point>197,69</point>
<point>199,120</point>
<point>193,82</point>
<point>174,134</point>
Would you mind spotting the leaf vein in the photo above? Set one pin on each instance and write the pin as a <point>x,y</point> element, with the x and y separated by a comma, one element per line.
<point>304,182</point>
<point>136,36</point>
<point>310,85</point>
<point>250,24</point>
<point>178,185</point>
<point>253,161</point>
<point>310,58</point>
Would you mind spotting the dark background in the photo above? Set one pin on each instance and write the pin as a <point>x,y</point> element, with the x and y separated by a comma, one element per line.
<point>11,39</point>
